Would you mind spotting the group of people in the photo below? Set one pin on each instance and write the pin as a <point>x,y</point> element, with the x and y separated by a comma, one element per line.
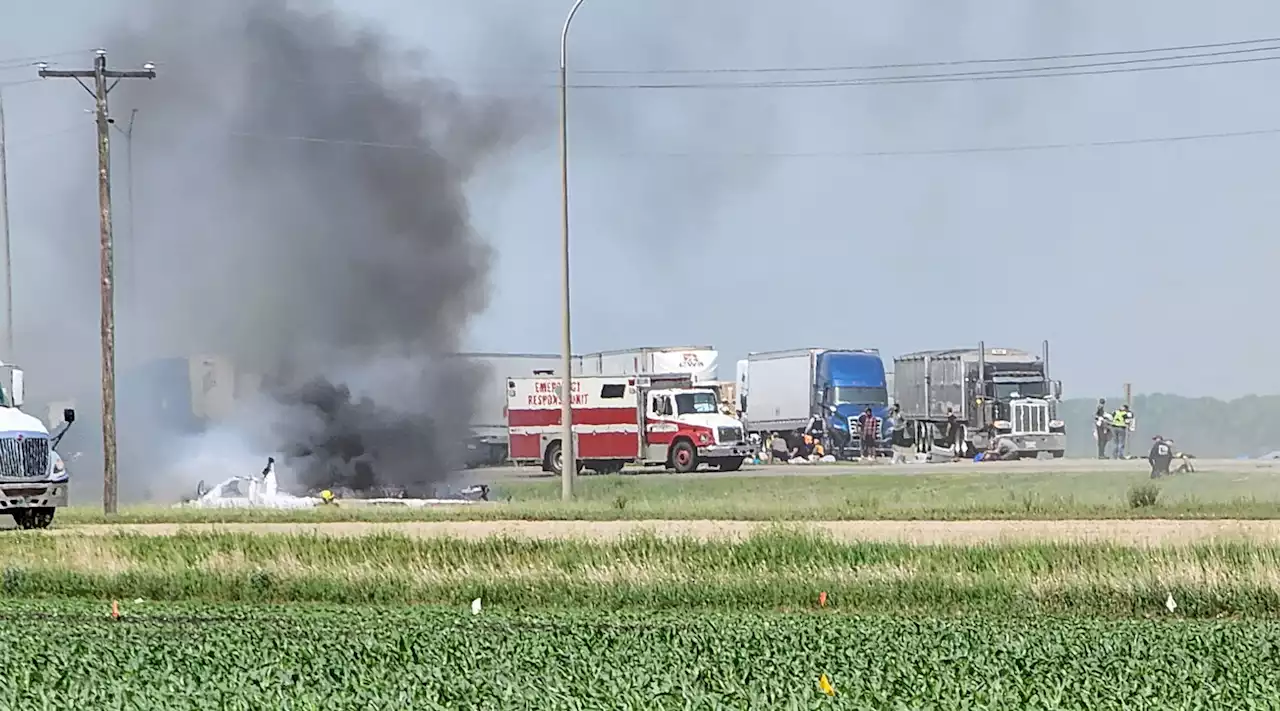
<point>812,442</point>
<point>1112,428</point>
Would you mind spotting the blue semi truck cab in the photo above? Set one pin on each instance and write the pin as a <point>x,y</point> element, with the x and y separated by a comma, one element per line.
<point>782,390</point>
<point>847,382</point>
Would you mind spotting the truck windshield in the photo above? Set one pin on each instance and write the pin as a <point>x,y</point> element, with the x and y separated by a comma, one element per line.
<point>860,396</point>
<point>1030,388</point>
<point>699,403</point>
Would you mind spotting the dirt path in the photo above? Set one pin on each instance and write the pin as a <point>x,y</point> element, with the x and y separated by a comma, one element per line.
<point>1146,532</point>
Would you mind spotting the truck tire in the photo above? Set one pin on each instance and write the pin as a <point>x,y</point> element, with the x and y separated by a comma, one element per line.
<point>34,518</point>
<point>684,458</point>
<point>1058,454</point>
<point>555,463</point>
<point>730,464</point>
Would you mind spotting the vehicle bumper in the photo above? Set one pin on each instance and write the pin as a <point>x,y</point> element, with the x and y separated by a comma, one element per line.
<point>741,450</point>
<point>1040,442</point>
<point>25,495</point>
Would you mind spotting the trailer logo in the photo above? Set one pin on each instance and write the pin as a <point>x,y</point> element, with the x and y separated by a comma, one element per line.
<point>691,360</point>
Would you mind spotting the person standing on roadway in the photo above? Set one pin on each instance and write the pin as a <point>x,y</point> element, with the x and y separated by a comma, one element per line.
<point>1121,423</point>
<point>1101,428</point>
<point>867,426</point>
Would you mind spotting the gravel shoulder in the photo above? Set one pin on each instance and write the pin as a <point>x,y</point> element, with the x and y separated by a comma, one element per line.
<point>1127,532</point>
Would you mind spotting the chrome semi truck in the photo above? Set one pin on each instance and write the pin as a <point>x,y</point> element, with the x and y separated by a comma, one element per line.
<point>990,392</point>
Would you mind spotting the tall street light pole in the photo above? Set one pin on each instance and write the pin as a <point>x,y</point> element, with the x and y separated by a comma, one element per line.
<point>4,233</point>
<point>130,256</point>
<point>569,460</point>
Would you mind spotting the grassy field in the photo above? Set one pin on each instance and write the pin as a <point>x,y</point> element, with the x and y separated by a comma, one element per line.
<point>768,572</point>
<point>65,656</point>
<point>249,620</point>
<point>952,495</point>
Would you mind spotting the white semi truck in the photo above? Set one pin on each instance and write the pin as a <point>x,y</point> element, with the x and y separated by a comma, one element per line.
<point>33,478</point>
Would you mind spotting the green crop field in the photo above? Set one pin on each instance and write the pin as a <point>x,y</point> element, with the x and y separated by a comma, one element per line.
<point>341,618</point>
<point>61,656</point>
<point>947,495</point>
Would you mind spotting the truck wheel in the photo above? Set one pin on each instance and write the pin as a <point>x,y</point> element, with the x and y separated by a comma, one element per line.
<point>33,518</point>
<point>1058,454</point>
<point>731,464</point>
<point>555,461</point>
<point>684,458</point>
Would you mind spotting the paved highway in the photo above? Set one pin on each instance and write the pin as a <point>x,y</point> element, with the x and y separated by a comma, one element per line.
<point>1057,465</point>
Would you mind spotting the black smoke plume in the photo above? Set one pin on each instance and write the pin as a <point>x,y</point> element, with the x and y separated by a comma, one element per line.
<point>302,211</point>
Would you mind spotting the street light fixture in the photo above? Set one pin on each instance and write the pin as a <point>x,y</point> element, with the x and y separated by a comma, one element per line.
<point>568,453</point>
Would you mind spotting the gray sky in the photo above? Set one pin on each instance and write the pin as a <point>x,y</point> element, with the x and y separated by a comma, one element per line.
<point>1146,263</point>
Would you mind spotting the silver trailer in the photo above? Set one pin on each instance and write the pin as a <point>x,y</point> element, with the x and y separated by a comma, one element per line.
<point>992,392</point>
<point>489,443</point>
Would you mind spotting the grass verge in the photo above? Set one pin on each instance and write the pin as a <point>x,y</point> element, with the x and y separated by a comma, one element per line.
<point>61,656</point>
<point>959,495</point>
<point>776,570</point>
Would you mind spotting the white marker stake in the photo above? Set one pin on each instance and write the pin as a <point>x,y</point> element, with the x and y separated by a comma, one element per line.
<point>475,606</point>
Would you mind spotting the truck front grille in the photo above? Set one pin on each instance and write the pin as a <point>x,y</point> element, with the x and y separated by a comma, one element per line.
<point>24,458</point>
<point>730,435</point>
<point>1030,418</point>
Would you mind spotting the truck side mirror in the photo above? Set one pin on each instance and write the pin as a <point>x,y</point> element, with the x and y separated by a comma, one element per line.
<point>1057,389</point>
<point>15,387</point>
<point>68,415</point>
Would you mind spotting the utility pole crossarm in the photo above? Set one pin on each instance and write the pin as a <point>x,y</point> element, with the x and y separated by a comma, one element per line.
<point>90,74</point>
<point>62,74</point>
<point>100,76</point>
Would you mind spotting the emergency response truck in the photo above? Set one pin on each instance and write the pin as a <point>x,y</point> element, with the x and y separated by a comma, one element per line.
<point>659,420</point>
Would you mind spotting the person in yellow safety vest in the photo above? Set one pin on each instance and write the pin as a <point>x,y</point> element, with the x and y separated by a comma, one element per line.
<point>1121,424</point>
<point>326,498</point>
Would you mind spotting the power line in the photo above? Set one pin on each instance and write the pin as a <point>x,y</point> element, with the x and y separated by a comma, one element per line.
<point>825,154</point>
<point>27,140</point>
<point>23,62</point>
<point>984,149</point>
<point>942,63</point>
<point>1000,75</point>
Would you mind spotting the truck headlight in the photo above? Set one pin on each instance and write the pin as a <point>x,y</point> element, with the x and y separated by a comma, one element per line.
<point>1056,424</point>
<point>705,438</point>
<point>58,465</point>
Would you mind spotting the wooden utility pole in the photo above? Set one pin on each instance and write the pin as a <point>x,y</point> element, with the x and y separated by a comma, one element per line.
<point>100,76</point>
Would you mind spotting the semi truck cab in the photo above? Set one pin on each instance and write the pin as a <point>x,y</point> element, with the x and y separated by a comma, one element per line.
<point>33,477</point>
<point>849,382</point>
<point>716,438</point>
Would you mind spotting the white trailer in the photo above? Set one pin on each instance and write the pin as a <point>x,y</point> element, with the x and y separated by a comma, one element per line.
<point>700,362</point>
<point>489,442</point>
<point>779,389</point>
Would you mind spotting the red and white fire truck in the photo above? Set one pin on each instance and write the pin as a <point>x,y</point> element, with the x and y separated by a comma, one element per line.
<point>656,420</point>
